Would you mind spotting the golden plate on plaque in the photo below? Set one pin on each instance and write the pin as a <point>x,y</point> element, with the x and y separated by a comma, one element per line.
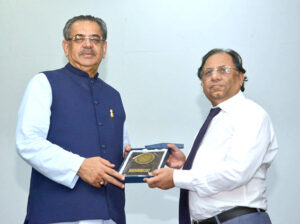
<point>144,158</point>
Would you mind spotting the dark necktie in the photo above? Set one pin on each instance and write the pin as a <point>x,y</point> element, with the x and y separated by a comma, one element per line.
<point>184,213</point>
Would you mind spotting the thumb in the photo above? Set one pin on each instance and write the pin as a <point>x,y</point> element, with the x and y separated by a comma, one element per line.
<point>155,172</point>
<point>127,147</point>
<point>173,147</point>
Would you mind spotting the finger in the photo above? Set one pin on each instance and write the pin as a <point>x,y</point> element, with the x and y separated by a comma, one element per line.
<point>102,182</point>
<point>169,162</point>
<point>115,182</point>
<point>149,182</point>
<point>96,185</point>
<point>153,181</point>
<point>155,172</point>
<point>106,163</point>
<point>114,173</point>
<point>173,147</point>
<point>173,164</point>
<point>127,148</point>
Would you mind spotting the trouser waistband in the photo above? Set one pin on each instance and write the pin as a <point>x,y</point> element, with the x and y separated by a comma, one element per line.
<point>229,214</point>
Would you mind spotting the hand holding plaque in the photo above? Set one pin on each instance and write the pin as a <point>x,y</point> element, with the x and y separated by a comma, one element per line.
<point>139,163</point>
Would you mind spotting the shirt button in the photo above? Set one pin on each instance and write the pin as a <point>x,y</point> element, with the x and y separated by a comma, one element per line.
<point>103,146</point>
<point>96,102</point>
<point>100,123</point>
<point>92,81</point>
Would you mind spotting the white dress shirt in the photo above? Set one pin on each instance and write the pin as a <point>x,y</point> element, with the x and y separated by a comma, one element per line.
<point>54,162</point>
<point>231,163</point>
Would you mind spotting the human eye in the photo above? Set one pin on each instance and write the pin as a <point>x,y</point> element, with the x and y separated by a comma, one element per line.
<point>227,70</point>
<point>95,39</point>
<point>207,72</point>
<point>224,70</point>
<point>78,38</point>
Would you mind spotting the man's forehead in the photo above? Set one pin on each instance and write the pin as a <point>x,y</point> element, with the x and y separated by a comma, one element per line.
<point>219,59</point>
<point>85,26</point>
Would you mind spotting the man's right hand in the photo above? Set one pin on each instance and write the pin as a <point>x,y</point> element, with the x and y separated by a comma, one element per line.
<point>97,171</point>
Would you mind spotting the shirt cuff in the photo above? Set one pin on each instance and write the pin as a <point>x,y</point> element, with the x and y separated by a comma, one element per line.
<point>78,160</point>
<point>183,179</point>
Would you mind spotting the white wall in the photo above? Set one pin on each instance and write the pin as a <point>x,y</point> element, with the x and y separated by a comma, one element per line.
<point>154,51</point>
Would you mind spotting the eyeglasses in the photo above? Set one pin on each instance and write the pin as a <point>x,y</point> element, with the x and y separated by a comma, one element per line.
<point>221,70</point>
<point>79,38</point>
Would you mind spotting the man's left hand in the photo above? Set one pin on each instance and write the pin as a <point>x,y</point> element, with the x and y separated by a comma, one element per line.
<point>163,179</point>
<point>176,158</point>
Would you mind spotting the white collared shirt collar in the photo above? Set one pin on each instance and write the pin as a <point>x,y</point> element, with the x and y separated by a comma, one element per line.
<point>230,104</point>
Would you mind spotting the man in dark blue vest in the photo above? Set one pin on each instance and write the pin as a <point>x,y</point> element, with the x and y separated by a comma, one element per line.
<point>71,131</point>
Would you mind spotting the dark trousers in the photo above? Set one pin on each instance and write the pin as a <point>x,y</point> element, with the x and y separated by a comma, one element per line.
<point>252,218</point>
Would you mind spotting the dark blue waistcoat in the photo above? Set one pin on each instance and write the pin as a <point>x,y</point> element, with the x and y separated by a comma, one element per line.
<point>87,118</point>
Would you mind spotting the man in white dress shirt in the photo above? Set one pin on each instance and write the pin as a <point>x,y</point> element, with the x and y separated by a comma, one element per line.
<point>71,131</point>
<point>226,182</point>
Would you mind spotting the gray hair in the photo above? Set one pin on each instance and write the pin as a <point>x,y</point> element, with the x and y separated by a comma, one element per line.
<point>236,58</point>
<point>101,23</point>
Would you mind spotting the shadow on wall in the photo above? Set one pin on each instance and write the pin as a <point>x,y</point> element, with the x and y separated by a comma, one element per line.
<point>272,177</point>
<point>22,173</point>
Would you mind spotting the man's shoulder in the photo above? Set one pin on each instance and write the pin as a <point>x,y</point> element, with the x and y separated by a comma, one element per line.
<point>108,87</point>
<point>52,72</point>
<point>240,104</point>
<point>254,105</point>
<point>252,109</point>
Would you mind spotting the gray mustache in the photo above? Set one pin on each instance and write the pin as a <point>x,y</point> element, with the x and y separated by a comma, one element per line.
<point>87,51</point>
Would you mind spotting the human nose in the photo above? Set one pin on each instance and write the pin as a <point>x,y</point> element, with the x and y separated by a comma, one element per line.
<point>87,42</point>
<point>215,74</point>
